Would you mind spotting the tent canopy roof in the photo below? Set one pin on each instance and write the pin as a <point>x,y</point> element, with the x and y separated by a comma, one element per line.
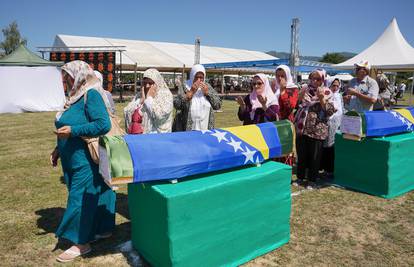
<point>389,52</point>
<point>161,55</point>
<point>24,57</point>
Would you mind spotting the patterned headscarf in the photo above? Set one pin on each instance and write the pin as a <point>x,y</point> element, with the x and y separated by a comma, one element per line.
<point>157,78</point>
<point>159,120</point>
<point>84,80</point>
<point>311,98</point>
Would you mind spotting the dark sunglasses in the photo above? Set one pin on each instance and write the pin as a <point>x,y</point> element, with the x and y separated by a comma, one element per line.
<point>257,84</point>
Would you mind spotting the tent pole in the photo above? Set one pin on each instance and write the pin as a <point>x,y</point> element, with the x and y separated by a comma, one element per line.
<point>222,82</point>
<point>120,78</point>
<point>182,76</point>
<point>411,91</point>
<point>135,79</point>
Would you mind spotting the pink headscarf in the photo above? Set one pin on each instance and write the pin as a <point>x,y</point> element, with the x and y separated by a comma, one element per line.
<point>322,74</point>
<point>267,93</point>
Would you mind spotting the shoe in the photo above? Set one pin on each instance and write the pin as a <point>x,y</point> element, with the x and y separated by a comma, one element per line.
<point>311,185</point>
<point>69,255</point>
<point>297,182</point>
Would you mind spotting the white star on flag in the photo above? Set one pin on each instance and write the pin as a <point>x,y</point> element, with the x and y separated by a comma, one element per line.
<point>249,155</point>
<point>220,136</point>
<point>205,131</point>
<point>394,113</point>
<point>236,145</point>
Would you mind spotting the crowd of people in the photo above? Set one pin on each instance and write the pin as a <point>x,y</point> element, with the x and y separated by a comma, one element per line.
<point>314,108</point>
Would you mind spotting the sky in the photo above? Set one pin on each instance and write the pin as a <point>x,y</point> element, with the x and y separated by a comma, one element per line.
<point>325,26</point>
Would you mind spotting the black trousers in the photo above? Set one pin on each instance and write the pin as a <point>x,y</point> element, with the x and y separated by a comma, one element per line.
<point>328,159</point>
<point>309,152</point>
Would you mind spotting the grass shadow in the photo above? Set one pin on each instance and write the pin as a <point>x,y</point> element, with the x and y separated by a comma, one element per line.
<point>122,205</point>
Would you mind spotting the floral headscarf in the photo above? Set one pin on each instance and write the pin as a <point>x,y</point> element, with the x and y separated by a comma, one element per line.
<point>84,80</point>
<point>158,119</point>
<point>311,98</point>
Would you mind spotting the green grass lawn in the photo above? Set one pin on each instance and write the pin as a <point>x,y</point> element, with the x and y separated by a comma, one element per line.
<point>329,226</point>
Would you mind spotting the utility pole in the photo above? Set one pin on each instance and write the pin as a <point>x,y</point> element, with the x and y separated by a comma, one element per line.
<point>294,47</point>
<point>197,51</point>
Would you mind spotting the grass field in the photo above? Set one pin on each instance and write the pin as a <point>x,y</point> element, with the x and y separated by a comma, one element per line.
<point>329,226</point>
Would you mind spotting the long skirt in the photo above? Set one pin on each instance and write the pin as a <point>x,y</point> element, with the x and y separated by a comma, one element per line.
<point>90,207</point>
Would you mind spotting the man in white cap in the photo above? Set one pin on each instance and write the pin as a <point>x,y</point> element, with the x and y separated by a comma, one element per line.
<point>363,90</point>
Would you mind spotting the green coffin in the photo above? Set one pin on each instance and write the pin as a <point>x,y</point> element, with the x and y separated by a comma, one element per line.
<point>220,219</point>
<point>381,166</point>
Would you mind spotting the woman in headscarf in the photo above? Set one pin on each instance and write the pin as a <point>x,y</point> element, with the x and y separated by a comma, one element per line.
<point>196,104</point>
<point>287,93</point>
<point>107,93</point>
<point>90,211</point>
<point>311,122</point>
<point>328,153</point>
<point>260,105</point>
<point>157,103</point>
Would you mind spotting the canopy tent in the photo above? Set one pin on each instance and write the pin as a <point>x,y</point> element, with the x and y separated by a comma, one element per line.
<point>166,57</point>
<point>24,57</point>
<point>389,52</point>
<point>29,83</point>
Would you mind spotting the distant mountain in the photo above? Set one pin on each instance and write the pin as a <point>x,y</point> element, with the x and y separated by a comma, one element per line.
<point>284,55</point>
<point>347,55</point>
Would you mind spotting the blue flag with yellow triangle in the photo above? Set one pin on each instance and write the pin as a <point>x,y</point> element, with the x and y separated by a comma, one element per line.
<point>181,154</point>
<point>382,123</point>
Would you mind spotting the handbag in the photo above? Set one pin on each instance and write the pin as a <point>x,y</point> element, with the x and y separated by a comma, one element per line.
<point>92,143</point>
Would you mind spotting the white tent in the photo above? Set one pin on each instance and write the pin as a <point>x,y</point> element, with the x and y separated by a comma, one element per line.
<point>31,89</point>
<point>162,55</point>
<point>29,83</point>
<point>389,52</point>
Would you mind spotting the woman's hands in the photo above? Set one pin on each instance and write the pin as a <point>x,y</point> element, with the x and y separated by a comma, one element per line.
<point>241,103</point>
<point>263,101</point>
<point>148,92</point>
<point>198,84</point>
<point>63,132</point>
<point>321,97</point>
<point>54,157</point>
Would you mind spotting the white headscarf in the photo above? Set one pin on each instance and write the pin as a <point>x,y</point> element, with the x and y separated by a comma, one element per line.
<point>107,93</point>
<point>267,92</point>
<point>336,98</point>
<point>158,119</point>
<point>289,79</point>
<point>99,76</point>
<point>84,80</point>
<point>334,121</point>
<point>200,106</point>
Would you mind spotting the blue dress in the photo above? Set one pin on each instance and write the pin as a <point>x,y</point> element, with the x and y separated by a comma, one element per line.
<point>91,203</point>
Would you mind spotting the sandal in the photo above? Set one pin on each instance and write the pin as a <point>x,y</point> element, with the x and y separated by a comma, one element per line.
<point>70,255</point>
